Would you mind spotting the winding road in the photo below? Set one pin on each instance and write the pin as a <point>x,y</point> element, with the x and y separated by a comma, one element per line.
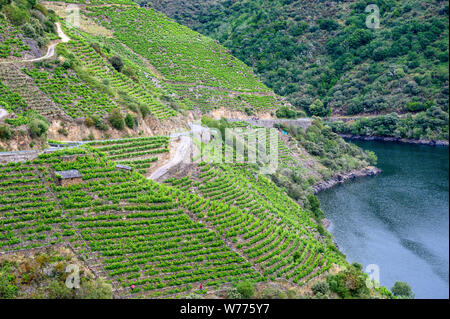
<point>50,53</point>
<point>180,154</point>
<point>50,50</point>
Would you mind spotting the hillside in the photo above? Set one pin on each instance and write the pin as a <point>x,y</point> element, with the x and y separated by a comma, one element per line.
<point>100,120</point>
<point>323,57</point>
<point>102,73</point>
<point>114,219</point>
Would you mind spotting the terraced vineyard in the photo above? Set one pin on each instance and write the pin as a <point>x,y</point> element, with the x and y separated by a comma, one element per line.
<point>12,44</point>
<point>257,217</point>
<point>23,86</point>
<point>70,93</point>
<point>209,98</point>
<point>219,224</point>
<point>139,153</point>
<point>11,102</point>
<point>167,70</point>
<point>177,52</point>
<point>132,230</point>
<point>103,70</point>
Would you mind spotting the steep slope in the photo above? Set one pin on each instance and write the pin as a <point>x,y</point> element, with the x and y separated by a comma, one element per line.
<point>102,74</point>
<point>114,219</point>
<point>126,74</point>
<point>323,57</point>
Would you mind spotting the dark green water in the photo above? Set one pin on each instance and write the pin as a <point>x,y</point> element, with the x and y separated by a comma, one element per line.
<point>397,220</point>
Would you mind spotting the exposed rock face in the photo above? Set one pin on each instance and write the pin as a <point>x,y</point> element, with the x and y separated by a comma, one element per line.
<point>341,178</point>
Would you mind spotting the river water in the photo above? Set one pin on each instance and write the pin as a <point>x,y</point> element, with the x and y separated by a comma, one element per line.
<point>397,220</point>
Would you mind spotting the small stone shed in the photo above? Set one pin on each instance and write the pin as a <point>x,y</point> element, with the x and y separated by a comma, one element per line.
<point>125,168</point>
<point>70,177</point>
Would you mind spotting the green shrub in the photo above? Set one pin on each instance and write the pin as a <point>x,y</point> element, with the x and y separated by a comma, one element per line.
<point>94,289</point>
<point>130,73</point>
<point>89,122</point>
<point>116,119</point>
<point>5,132</point>
<point>129,121</point>
<point>314,205</point>
<point>273,293</point>
<point>328,24</point>
<point>232,293</point>
<point>16,15</point>
<point>37,125</point>
<point>246,289</point>
<point>320,287</point>
<point>99,123</point>
<point>349,283</point>
<point>144,109</point>
<point>29,31</point>
<point>372,157</point>
<point>318,108</point>
<point>415,106</point>
<point>8,289</point>
<point>59,290</point>
<point>286,112</point>
<point>402,289</point>
<point>116,62</point>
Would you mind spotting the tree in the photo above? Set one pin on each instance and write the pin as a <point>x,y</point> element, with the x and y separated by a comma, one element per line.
<point>372,157</point>
<point>360,37</point>
<point>285,112</point>
<point>38,126</point>
<point>402,289</point>
<point>16,15</point>
<point>116,119</point>
<point>314,204</point>
<point>328,24</point>
<point>29,30</point>
<point>317,108</point>
<point>129,121</point>
<point>117,63</point>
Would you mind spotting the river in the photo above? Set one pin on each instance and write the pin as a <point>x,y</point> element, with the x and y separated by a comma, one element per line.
<point>397,220</point>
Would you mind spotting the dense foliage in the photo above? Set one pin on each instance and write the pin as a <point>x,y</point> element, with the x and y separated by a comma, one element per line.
<point>429,125</point>
<point>43,275</point>
<point>324,58</point>
<point>317,144</point>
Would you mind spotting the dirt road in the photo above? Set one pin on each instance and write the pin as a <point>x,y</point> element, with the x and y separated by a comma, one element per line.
<point>51,48</point>
<point>181,153</point>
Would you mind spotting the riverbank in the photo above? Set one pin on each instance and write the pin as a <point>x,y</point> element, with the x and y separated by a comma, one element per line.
<point>397,220</point>
<point>341,178</point>
<point>394,139</point>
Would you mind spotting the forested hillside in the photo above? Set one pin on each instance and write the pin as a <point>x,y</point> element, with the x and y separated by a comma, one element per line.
<point>323,57</point>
